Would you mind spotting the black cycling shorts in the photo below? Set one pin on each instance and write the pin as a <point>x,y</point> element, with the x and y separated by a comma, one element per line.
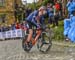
<point>31,24</point>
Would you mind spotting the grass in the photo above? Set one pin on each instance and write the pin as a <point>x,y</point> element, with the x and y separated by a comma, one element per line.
<point>58,32</point>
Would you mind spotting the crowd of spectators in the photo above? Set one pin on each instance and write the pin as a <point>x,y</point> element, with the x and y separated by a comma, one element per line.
<point>54,10</point>
<point>13,26</point>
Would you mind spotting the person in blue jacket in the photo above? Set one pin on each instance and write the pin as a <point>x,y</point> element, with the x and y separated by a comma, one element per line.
<point>71,33</point>
<point>71,6</point>
<point>50,13</point>
<point>35,19</point>
<point>66,27</point>
<point>72,23</point>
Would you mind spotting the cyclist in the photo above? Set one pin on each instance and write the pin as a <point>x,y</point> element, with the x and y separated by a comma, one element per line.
<point>36,18</point>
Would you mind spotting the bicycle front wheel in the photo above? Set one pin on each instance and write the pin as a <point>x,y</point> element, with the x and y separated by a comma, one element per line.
<point>45,41</point>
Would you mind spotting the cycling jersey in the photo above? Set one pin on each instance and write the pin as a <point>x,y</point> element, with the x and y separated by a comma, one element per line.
<point>32,17</point>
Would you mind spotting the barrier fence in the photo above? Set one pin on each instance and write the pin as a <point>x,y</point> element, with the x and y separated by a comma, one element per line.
<point>18,33</point>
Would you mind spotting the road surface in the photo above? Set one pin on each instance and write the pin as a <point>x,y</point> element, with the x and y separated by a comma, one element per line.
<point>12,50</point>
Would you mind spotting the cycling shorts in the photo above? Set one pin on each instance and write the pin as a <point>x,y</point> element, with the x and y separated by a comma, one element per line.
<point>31,24</point>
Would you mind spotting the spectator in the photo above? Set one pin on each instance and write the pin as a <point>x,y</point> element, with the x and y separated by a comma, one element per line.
<point>69,28</point>
<point>66,27</point>
<point>3,28</point>
<point>70,6</point>
<point>13,27</point>
<point>56,18</point>
<point>9,27</point>
<point>24,25</point>
<point>57,6</point>
<point>28,11</point>
<point>73,19</point>
<point>6,28</point>
<point>71,33</point>
<point>18,26</point>
<point>50,13</point>
<point>60,10</point>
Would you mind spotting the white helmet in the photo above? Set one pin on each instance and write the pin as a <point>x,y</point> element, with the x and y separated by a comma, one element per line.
<point>42,8</point>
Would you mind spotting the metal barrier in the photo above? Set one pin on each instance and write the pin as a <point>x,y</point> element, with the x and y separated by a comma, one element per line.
<point>12,34</point>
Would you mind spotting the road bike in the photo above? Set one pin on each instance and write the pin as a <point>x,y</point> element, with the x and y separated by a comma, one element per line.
<point>44,42</point>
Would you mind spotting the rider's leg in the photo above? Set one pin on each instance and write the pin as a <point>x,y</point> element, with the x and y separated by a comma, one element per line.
<point>30,31</point>
<point>30,35</point>
<point>38,32</point>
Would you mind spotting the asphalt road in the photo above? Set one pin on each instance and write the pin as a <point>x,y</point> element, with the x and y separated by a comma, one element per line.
<point>12,50</point>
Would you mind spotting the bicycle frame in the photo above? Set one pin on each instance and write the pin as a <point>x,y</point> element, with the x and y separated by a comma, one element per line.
<point>40,38</point>
<point>34,32</point>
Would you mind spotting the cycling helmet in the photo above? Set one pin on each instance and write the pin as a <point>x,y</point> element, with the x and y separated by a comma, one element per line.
<point>42,8</point>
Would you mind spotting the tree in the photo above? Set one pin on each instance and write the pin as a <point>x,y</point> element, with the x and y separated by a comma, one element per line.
<point>47,1</point>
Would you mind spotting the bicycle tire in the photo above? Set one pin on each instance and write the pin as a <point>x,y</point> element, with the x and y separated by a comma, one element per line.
<point>46,36</point>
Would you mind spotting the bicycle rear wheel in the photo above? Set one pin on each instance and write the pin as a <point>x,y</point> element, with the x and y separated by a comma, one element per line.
<point>25,46</point>
<point>45,41</point>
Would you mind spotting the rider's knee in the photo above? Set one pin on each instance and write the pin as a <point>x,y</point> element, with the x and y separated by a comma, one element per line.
<point>30,31</point>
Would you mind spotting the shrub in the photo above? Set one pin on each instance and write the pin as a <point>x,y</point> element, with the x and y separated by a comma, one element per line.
<point>58,32</point>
